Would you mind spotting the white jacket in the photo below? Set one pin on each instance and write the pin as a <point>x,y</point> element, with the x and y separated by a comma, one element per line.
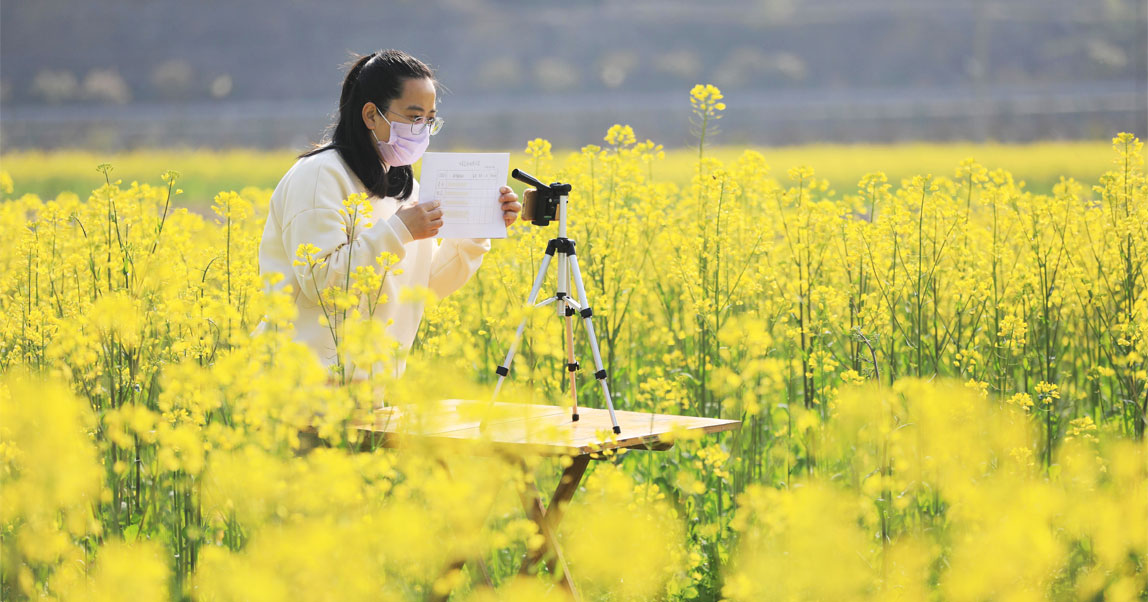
<point>305,209</point>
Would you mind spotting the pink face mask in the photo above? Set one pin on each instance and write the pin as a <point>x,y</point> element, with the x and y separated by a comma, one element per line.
<point>404,147</point>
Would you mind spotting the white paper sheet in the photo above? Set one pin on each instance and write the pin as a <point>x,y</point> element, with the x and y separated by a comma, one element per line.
<point>467,186</point>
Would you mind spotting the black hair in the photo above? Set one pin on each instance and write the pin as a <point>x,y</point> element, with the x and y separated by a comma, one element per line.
<point>377,78</point>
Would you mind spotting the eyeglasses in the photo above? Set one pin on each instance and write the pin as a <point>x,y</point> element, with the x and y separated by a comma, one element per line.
<point>418,123</point>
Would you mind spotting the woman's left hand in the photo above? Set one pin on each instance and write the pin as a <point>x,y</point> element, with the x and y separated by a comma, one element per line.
<point>510,205</point>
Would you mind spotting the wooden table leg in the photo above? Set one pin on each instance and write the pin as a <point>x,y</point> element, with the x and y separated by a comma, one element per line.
<point>548,519</point>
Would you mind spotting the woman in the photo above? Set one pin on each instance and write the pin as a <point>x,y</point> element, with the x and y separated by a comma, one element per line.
<point>386,116</point>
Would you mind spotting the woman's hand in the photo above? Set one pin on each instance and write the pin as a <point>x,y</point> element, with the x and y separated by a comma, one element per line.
<point>510,205</point>
<point>421,220</point>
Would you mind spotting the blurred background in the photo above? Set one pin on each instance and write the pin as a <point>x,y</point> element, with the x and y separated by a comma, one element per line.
<point>127,74</point>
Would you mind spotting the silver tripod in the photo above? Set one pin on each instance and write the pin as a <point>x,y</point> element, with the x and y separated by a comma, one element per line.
<point>554,199</point>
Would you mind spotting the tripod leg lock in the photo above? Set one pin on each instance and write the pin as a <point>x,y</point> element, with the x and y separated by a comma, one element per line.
<point>573,367</point>
<point>600,375</point>
<point>569,311</point>
<point>587,312</point>
<point>502,371</point>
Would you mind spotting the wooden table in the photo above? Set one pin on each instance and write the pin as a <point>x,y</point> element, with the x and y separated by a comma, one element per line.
<point>514,430</point>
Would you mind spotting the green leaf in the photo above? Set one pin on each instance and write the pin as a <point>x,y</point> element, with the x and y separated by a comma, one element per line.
<point>131,532</point>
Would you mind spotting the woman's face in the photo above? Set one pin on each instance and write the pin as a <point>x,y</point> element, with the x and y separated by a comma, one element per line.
<point>416,102</point>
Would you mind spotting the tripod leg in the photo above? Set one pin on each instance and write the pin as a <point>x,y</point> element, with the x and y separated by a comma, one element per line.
<point>504,369</point>
<point>586,314</point>
<point>571,363</point>
<point>566,312</point>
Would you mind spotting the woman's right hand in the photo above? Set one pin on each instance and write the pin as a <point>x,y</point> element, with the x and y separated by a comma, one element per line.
<point>421,220</point>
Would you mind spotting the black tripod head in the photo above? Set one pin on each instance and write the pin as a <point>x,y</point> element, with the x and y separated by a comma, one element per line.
<point>541,204</point>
